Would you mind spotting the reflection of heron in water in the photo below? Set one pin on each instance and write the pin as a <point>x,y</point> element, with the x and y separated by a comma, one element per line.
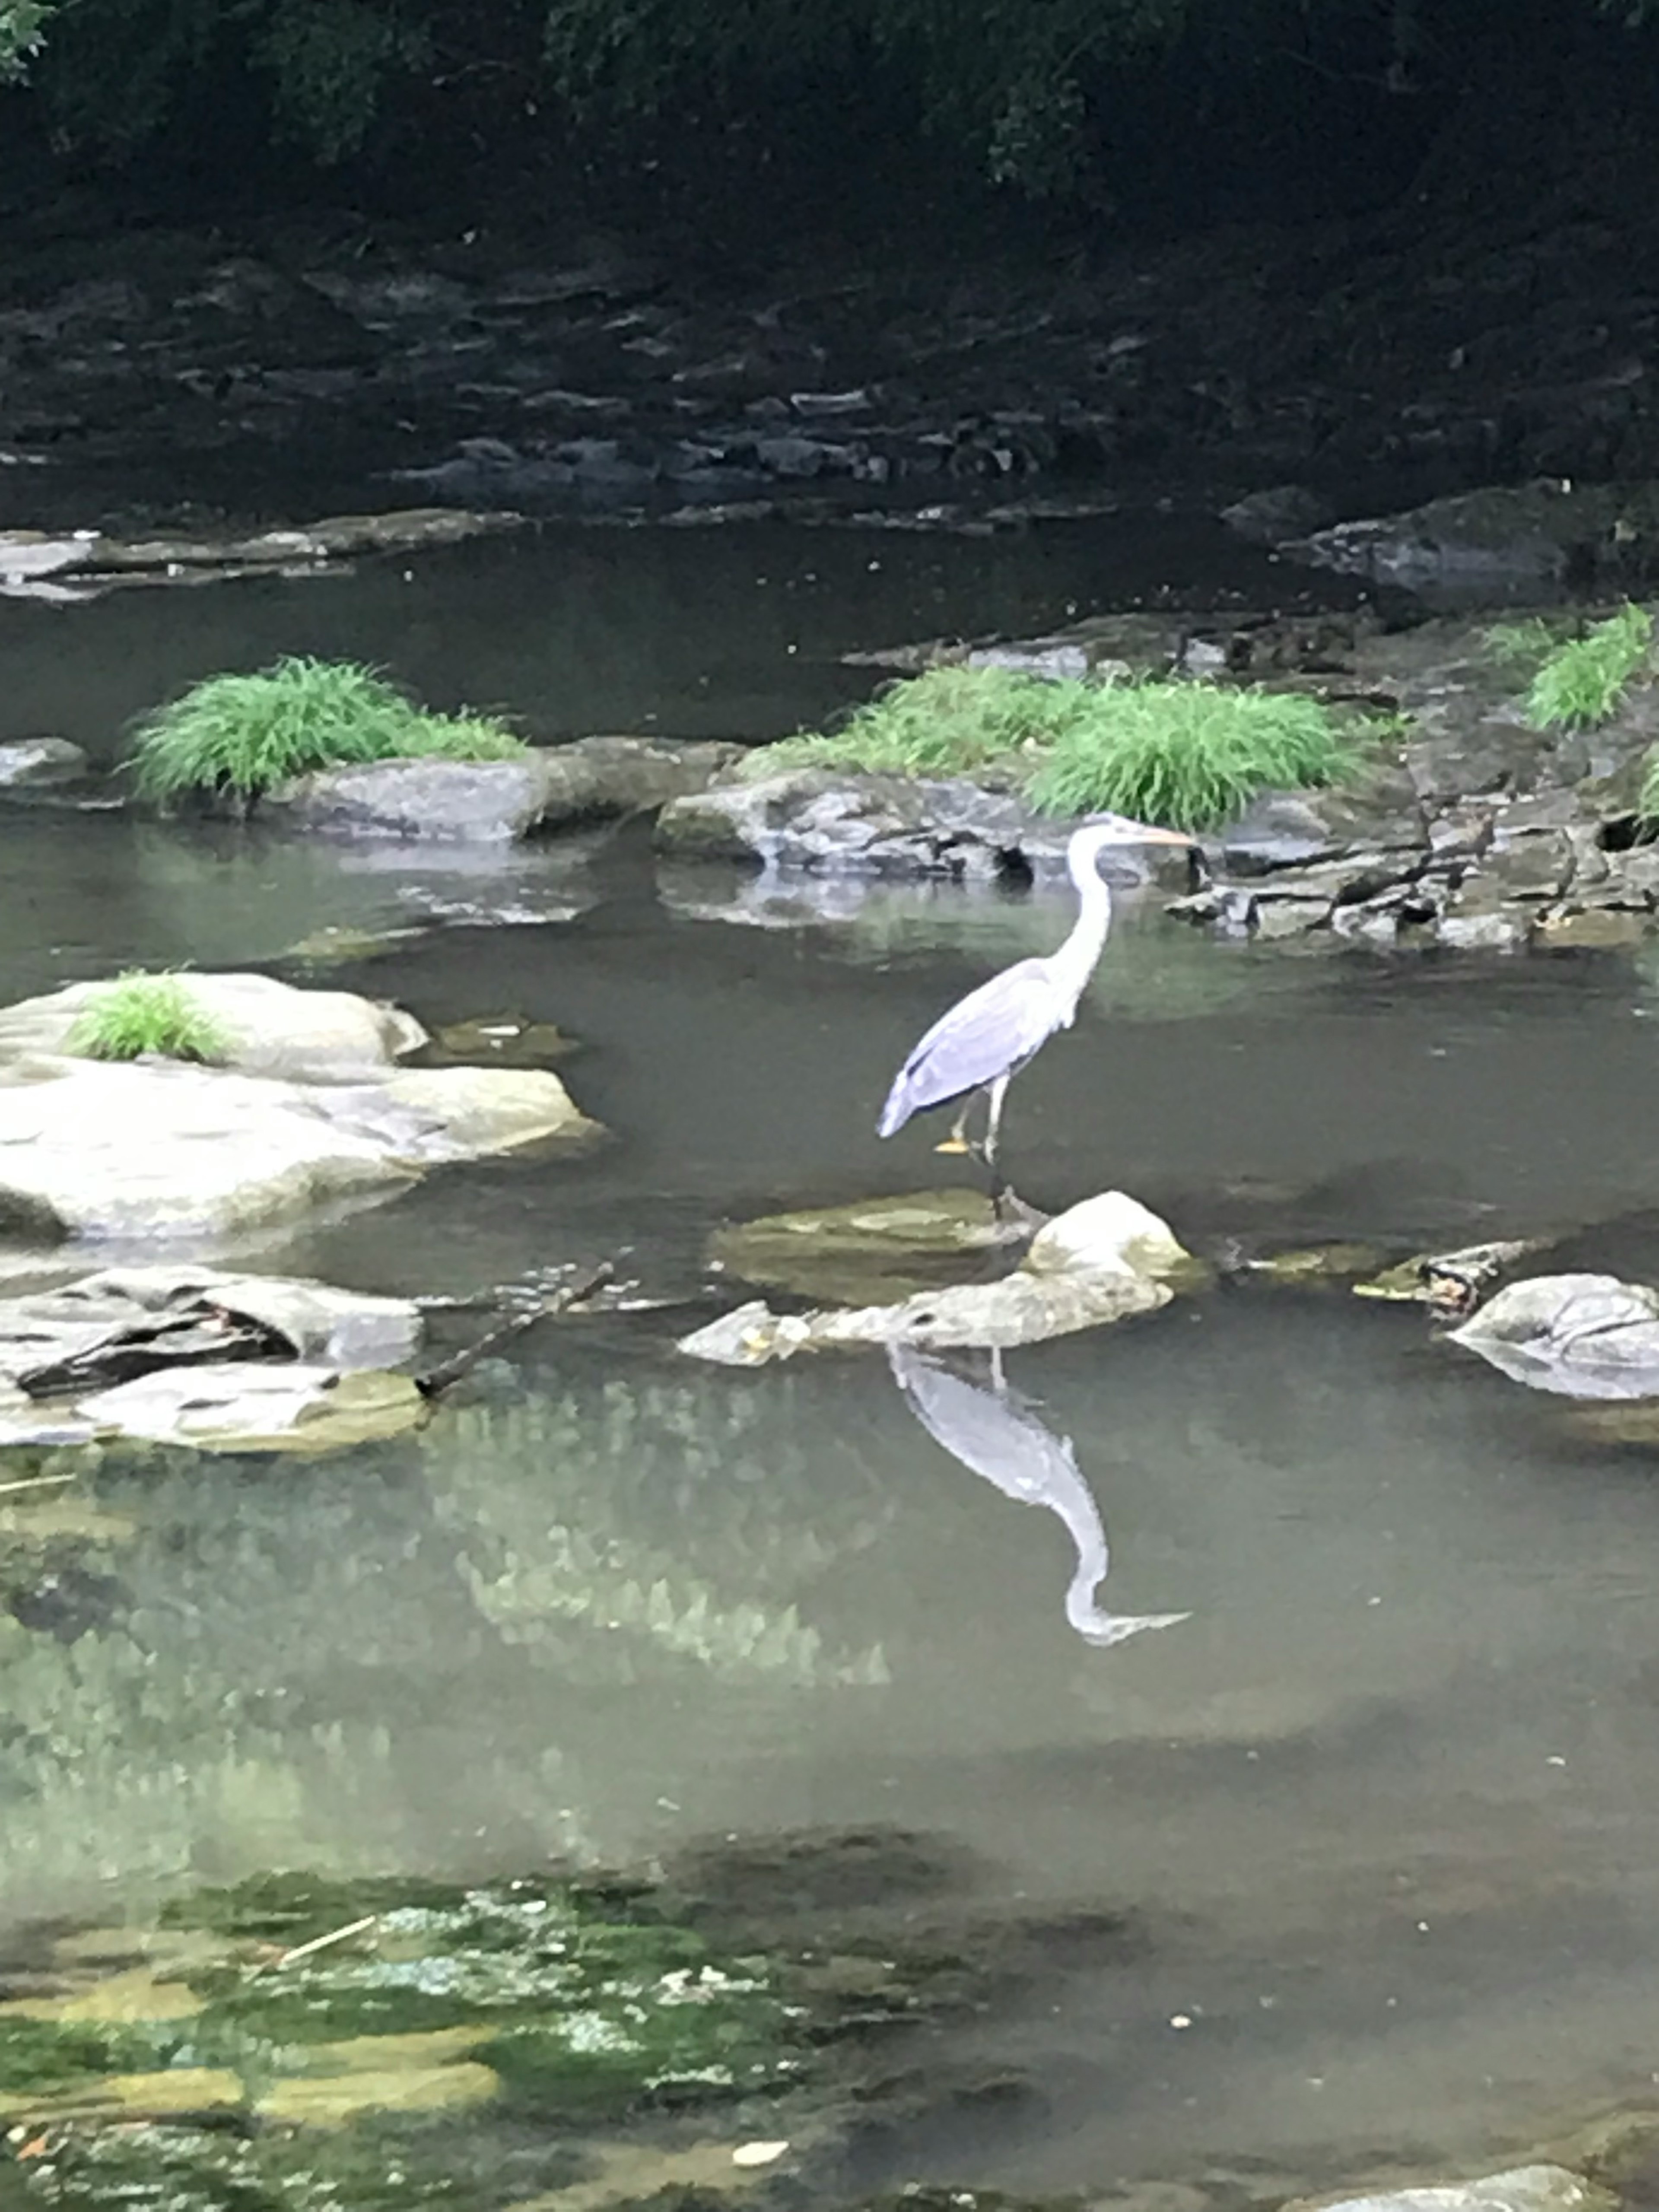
<point>995,1433</point>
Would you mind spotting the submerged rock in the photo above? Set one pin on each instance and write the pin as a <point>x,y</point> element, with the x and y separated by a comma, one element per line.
<point>500,1041</point>
<point>242,1408</point>
<point>1580,1336</point>
<point>293,2040</point>
<point>1101,1261</point>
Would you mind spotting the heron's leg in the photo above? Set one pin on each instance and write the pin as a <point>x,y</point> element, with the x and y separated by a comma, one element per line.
<point>996,1093</point>
<point>959,1140</point>
<point>999,1379</point>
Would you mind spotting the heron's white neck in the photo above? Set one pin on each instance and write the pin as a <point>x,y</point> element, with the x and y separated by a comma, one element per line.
<point>1076,959</point>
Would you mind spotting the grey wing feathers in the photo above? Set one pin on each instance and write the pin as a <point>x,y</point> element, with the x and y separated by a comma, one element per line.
<point>993,1029</point>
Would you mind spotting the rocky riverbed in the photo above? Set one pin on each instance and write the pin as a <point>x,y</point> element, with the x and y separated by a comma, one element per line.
<point>507,362</point>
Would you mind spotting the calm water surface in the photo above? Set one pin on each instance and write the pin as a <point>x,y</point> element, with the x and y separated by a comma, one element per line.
<point>1379,1814</point>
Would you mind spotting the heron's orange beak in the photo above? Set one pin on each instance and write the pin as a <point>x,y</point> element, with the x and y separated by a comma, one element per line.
<point>1168,836</point>
<point>955,1145</point>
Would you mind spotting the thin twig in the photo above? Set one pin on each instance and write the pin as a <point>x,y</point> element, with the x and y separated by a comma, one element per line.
<point>35,1482</point>
<point>449,1371</point>
<point>322,1942</point>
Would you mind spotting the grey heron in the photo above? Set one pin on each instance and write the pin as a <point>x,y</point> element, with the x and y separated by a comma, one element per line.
<point>998,1435</point>
<point>988,1037</point>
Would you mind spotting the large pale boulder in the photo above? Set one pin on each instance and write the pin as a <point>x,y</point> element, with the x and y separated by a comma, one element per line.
<point>308,1106</point>
<point>138,1150</point>
<point>1112,1231</point>
<point>268,1027</point>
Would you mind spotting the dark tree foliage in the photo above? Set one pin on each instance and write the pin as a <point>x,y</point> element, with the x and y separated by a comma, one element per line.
<point>1014,83</point>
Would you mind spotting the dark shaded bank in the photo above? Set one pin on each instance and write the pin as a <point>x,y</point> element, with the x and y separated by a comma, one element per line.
<point>1300,269</point>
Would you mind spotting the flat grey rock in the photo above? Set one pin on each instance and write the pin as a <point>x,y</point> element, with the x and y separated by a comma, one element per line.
<point>1517,2189</point>
<point>1579,1336</point>
<point>33,763</point>
<point>498,802</point>
<point>821,821</point>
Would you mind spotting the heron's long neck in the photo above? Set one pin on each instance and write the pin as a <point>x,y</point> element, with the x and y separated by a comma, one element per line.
<point>1075,960</point>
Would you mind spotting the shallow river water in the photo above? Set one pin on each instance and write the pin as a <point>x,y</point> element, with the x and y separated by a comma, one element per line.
<point>1378,1817</point>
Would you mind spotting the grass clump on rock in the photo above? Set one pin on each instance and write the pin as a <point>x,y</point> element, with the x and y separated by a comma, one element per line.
<point>1581,682</point>
<point>1190,755</point>
<point>237,736</point>
<point>139,1014</point>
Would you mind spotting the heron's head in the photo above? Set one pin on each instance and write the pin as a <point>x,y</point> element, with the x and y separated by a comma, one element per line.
<point>1101,830</point>
<point>1122,829</point>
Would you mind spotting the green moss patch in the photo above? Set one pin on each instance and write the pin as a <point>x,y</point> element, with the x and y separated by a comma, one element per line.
<point>1189,755</point>
<point>432,2167</point>
<point>454,2015</point>
<point>575,2011</point>
<point>236,736</point>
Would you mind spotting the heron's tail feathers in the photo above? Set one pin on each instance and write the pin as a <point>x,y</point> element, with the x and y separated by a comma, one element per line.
<point>897,1111</point>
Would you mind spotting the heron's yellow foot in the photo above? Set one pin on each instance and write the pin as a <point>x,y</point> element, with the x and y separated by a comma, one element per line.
<point>956,1147</point>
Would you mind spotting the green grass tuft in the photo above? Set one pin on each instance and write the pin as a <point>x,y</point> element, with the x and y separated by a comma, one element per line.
<point>1523,642</point>
<point>1189,755</point>
<point>1580,682</point>
<point>141,1013</point>
<point>236,736</point>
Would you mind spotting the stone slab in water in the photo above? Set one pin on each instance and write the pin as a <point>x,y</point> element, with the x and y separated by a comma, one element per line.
<point>135,1151</point>
<point>498,802</point>
<point>1518,2189</point>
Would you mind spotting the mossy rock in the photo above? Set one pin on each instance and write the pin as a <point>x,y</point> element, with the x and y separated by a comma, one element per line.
<point>324,2018</point>
<point>1315,1267</point>
<point>874,1250</point>
<point>498,1041</point>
